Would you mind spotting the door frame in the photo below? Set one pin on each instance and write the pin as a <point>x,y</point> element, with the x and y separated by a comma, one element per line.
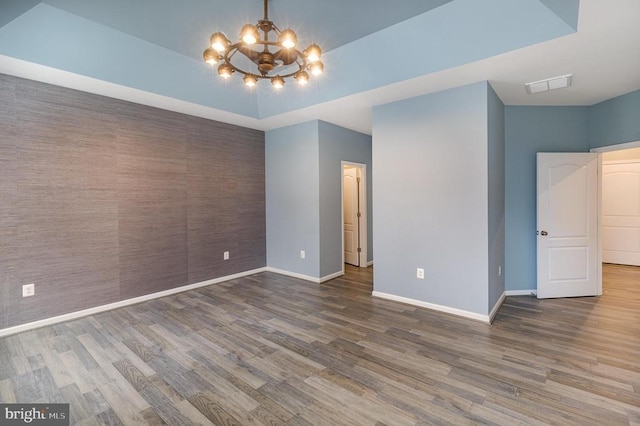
<point>362,229</point>
<point>599,151</point>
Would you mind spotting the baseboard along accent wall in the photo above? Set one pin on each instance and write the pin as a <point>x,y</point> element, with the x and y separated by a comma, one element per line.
<point>103,308</point>
<point>105,201</point>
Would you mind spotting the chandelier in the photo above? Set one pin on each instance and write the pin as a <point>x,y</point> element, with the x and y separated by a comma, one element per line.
<point>271,59</point>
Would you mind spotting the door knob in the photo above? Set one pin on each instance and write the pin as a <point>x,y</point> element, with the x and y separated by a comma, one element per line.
<point>544,233</point>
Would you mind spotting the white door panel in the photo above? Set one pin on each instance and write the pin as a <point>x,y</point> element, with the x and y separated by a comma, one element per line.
<point>567,263</point>
<point>568,225</point>
<point>568,201</point>
<point>621,239</point>
<point>621,194</point>
<point>621,212</point>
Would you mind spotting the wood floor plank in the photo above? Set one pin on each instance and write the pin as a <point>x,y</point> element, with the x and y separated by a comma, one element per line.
<point>7,395</point>
<point>92,421</point>
<point>79,409</point>
<point>227,393</point>
<point>498,414</point>
<point>151,417</point>
<point>37,385</point>
<point>269,349</point>
<point>264,401</point>
<point>79,375</point>
<point>96,401</point>
<point>213,410</point>
<point>125,404</point>
<point>7,369</point>
<point>287,396</point>
<point>161,405</point>
<point>110,418</point>
<point>362,407</point>
<point>555,398</point>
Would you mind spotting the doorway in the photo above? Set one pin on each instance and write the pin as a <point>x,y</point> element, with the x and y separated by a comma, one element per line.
<point>620,212</point>
<point>621,207</point>
<point>621,227</point>
<point>354,214</point>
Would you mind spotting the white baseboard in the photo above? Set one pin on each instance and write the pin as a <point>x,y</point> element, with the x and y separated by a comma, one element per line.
<point>305,277</point>
<point>331,276</point>
<point>435,307</point>
<point>496,307</point>
<point>98,309</point>
<point>83,313</point>
<point>520,292</point>
<point>294,274</point>
<point>370,263</point>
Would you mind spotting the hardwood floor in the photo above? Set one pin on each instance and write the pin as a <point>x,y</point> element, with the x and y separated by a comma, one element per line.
<point>269,349</point>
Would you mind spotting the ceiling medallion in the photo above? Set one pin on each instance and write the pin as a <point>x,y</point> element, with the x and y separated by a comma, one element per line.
<point>283,62</point>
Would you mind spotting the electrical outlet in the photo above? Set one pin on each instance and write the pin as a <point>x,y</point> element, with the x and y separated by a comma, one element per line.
<point>28,290</point>
<point>500,270</point>
<point>302,254</point>
<point>225,256</point>
<point>420,273</point>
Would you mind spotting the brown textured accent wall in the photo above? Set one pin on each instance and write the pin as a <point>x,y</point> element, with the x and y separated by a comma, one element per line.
<point>103,200</point>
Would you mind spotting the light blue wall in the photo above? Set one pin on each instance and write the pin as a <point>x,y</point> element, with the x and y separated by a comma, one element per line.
<point>496,179</point>
<point>528,130</point>
<point>430,198</point>
<point>615,121</point>
<point>303,181</point>
<point>338,144</point>
<point>552,129</point>
<point>292,194</point>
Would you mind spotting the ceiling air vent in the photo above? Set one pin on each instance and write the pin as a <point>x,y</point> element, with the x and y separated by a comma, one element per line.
<point>552,83</point>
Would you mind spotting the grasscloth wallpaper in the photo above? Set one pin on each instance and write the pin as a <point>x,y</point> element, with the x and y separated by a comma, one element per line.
<point>103,200</point>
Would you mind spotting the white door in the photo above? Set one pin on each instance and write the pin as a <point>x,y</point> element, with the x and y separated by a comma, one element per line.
<point>568,256</point>
<point>350,212</point>
<point>621,212</point>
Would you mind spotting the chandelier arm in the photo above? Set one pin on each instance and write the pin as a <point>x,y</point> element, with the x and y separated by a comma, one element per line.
<point>296,57</point>
<point>251,54</point>
<point>229,54</point>
<point>267,76</point>
<point>287,56</point>
<point>271,77</point>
